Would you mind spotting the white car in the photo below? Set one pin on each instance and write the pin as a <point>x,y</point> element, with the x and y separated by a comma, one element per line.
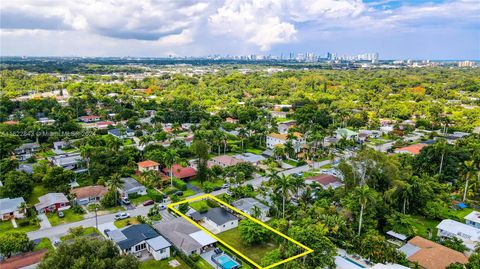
<point>123,215</point>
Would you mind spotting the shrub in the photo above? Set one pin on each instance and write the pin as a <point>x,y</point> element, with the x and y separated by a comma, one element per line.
<point>23,223</point>
<point>208,187</point>
<point>211,203</point>
<point>195,257</point>
<point>203,209</point>
<point>133,195</point>
<point>179,184</point>
<point>77,209</point>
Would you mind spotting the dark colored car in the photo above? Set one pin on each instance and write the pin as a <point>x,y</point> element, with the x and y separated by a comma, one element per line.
<point>148,202</point>
<point>217,188</point>
<point>178,193</point>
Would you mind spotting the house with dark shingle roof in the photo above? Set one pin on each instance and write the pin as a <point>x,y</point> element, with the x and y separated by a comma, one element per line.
<point>218,219</point>
<point>139,238</point>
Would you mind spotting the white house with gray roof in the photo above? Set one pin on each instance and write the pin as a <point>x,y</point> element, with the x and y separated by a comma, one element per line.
<point>247,205</point>
<point>216,220</point>
<point>10,208</point>
<point>131,186</point>
<point>185,236</point>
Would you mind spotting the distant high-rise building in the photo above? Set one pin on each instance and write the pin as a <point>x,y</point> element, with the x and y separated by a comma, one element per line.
<point>466,64</point>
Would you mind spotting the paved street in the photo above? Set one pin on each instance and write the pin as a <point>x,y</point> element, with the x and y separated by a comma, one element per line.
<point>57,231</point>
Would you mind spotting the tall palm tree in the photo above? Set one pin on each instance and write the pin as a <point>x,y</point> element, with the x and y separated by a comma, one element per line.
<point>364,195</point>
<point>297,184</point>
<point>283,185</point>
<point>256,212</point>
<point>114,183</point>
<point>170,157</point>
<point>242,134</point>
<point>467,170</point>
<point>86,152</point>
<point>278,152</point>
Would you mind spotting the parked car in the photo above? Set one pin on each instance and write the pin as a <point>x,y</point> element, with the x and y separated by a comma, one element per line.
<point>225,186</point>
<point>162,207</point>
<point>106,231</point>
<point>123,215</point>
<point>148,202</point>
<point>125,200</point>
<point>60,214</point>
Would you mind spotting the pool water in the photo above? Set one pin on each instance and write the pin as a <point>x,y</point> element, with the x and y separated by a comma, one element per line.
<point>226,262</point>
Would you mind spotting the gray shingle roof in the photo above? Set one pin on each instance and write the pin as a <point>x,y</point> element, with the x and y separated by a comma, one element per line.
<point>8,205</point>
<point>218,215</point>
<point>135,234</point>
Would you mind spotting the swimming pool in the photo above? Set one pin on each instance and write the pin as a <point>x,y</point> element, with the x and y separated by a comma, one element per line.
<point>225,261</point>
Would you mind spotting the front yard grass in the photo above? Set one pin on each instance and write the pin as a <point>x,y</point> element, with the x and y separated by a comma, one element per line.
<point>422,225</point>
<point>254,252</point>
<point>163,264</point>
<point>44,243</point>
<point>199,204</point>
<point>86,231</point>
<point>70,216</point>
<point>6,226</point>
<point>254,151</point>
<point>126,222</point>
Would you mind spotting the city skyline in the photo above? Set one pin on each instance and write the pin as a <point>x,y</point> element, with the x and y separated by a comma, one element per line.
<point>436,30</point>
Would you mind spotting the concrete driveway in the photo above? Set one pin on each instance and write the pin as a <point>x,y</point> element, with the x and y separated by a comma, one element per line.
<point>44,222</point>
<point>104,226</point>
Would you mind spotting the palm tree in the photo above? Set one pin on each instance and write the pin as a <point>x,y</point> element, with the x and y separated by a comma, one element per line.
<point>242,134</point>
<point>114,143</point>
<point>170,157</point>
<point>86,152</point>
<point>364,195</point>
<point>23,208</point>
<point>297,184</point>
<point>114,183</point>
<point>467,170</point>
<point>256,212</point>
<point>401,190</point>
<point>278,152</point>
<point>282,185</point>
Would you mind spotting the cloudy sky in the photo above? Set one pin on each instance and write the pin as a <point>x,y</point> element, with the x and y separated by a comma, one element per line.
<point>434,29</point>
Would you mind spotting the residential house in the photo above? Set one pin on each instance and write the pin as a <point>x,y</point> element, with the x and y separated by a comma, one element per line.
<point>10,208</point>
<point>282,107</point>
<point>431,255</point>
<point>279,114</point>
<point>181,172</point>
<point>89,118</point>
<point>89,194</point>
<point>326,181</point>
<point>148,165</point>
<point>104,124</point>
<point>284,126</point>
<point>52,202</point>
<point>250,157</point>
<point>468,234</point>
<point>231,120</point>
<point>412,149</point>
<point>346,133</point>
<point>26,151</point>
<point>59,145</point>
<point>120,133</point>
<point>224,161</point>
<point>131,186</point>
<point>247,205</point>
<point>216,219</point>
<point>46,121</point>
<point>141,238</point>
<point>473,219</point>
<point>185,236</point>
<point>71,162</point>
<point>275,139</point>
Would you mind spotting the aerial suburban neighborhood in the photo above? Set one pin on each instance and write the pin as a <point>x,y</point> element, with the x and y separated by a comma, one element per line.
<point>240,134</point>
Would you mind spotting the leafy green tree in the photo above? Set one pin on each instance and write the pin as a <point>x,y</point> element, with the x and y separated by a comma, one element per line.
<point>201,149</point>
<point>114,183</point>
<point>14,242</point>
<point>58,179</point>
<point>88,253</point>
<point>364,196</point>
<point>252,233</point>
<point>170,158</point>
<point>16,184</point>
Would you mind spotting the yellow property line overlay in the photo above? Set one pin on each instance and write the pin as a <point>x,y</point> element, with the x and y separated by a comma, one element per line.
<point>209,196</point>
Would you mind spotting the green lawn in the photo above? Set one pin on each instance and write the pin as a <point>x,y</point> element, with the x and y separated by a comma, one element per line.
<point>140,199</point>
<point>217,183</point>
<point>422,225</point>
<point>203,264</point>
<point>122,223</point>
<point>458,215</point>
<point>199,204</point>
<point>163,264</point>
<point>44,243</point>
<point>70,216</point>
<point>255,252</point>
<point>254,151</point>
<point>86,231</point>
<point>6,226</point>
<point>38,191</point>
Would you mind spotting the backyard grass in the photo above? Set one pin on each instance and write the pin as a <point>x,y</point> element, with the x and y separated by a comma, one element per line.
<point>217,183</point>
<point>44,243</point>
<point>254,252</point>
<point>163,264</point>
<point>199,204</point>
<point>38,191</point>
<point>254,151</point>
<point>203,264</point>
<point>70,216</point>
<point>86,231</point>
<point>422,225</point>
<point>122,223</point>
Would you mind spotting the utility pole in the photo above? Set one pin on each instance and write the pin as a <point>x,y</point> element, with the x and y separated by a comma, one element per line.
<point>96,217</point>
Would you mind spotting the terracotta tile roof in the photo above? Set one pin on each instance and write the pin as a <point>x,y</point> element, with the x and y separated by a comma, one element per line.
<point>181,172</point>
<point>413,149</point>
<point>324,179</point>
<point>147,163</point>
<point>434,256</point>
<point>89,117</point>
<point>284,136</point>
<point>10,122</point>
<point>89,191</point>
<point>23,260</point>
